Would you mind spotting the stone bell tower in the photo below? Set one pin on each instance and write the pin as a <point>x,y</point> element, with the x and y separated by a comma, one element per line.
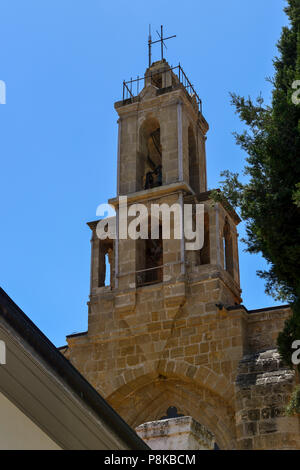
<point>162,159</point>
<point>169,330</point>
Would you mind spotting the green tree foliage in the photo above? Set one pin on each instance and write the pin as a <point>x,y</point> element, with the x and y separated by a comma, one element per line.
<point>293,406</point>
<point>270,200</point>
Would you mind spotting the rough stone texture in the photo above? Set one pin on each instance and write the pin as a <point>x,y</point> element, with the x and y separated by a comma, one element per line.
<point>186,341</point>
<point>176,434</point>
<point>263,389</point>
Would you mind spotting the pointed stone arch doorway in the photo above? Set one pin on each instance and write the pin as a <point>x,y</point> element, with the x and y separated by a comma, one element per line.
<point>147,399</point>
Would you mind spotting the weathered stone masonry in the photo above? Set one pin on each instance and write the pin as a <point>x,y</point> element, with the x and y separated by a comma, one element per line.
<point>182,337</point>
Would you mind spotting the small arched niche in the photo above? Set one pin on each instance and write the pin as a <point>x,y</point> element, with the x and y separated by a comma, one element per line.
<point>149,158</point>
<point>194,180</point>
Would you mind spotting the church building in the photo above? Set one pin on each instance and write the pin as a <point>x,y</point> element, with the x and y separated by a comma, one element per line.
<point>170,345</point>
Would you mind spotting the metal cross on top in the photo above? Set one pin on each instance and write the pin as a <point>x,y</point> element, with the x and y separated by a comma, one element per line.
<point>161,40</point>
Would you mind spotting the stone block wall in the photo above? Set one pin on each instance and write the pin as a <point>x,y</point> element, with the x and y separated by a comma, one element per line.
<point>176,434</point>
<point>185,341</point>
<point>264,326</point>
<point>264,387</point>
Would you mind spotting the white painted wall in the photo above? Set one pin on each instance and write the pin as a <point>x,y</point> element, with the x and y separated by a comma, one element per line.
<point>18,432</point>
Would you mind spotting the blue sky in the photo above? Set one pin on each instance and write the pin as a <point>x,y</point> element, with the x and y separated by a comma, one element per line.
<point>63,62</point>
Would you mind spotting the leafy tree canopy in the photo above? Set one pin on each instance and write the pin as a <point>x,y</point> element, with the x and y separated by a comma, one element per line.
<point>270,200</point>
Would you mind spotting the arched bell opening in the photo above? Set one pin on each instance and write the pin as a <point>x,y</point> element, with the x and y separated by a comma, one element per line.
<point>149,258</point>
<point>106,267</point>
<point>149,158</point>
<point>152,401</point>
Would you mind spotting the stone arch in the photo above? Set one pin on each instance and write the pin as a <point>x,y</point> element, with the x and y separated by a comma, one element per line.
<point>149,155</point>
<point>201,375</point>
<point>149,401</point>
<point>147,397</point>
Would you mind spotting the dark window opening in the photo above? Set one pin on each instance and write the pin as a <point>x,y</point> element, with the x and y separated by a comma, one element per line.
<point>156,80</point>
<point>172,413</point>
<point>149,164</point>
<point>227,248</point>
<point>149,259</point>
